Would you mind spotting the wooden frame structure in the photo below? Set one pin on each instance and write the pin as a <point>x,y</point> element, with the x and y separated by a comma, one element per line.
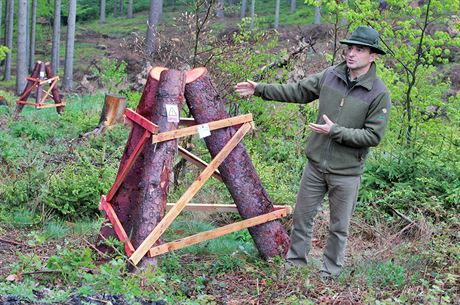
<point>38,84</point>
<point>135,255</point>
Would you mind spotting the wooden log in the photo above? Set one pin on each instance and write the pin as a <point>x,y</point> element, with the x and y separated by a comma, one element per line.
<point>57,96</point>
<point>27,90</point>
<point>158,161</point>
<point>127,196</point>
<point>237,170</point>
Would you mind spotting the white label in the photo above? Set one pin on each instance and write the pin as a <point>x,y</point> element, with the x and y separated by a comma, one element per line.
<point>42,74</point>
<point>172,113</point>
<point>203,131</point>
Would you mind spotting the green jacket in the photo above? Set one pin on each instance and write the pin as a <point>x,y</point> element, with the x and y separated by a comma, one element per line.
<point>360,115</point>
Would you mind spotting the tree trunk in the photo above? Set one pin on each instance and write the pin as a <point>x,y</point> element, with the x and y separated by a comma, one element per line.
<point>70,41</point>
<point>253,5</point>
<point>130,8</point>
<point>57,96</point>
<point>102,12</point>
<point>121,8</point>
<point>21,63</point>
<point>237,170</point>
<point>115,8</point>
<point>220,8</point>
<point>27,35</point>
<point>277,14</point>
<point>127,197</point>
<point>56,36</point>
<point>23,95</point>
<point>158,162</point>
<point>33,24</point>
<point>293,6</point>
<point>154,17</point>
<point>9,24</point>
<point>112,113</point>
<point>244,6</point>
<point>1,15</point>
<point>318,15</point>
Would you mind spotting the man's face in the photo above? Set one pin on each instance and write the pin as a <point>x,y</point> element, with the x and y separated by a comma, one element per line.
<point>359,58</point>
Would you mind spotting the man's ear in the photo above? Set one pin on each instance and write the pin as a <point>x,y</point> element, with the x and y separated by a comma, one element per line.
<point>373,56</point>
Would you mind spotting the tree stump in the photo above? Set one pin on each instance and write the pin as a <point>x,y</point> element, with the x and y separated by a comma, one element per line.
<point>237,170</point>
<point>111,114</point>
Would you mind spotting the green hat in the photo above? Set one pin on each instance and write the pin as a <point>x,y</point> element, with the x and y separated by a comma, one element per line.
<point>365,36</point>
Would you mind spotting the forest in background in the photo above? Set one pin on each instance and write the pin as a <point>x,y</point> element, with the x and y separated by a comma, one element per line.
<point>404,245</point>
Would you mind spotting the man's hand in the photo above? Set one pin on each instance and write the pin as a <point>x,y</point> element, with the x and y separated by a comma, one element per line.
<point>324,128</point>
<point>246,88</point>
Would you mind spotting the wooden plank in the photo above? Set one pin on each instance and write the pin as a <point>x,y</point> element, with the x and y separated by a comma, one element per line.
<point>187,196</point>
<point>128,165</point>
<point>197,161</point>
<point>40,106</point>
<point>200,237</point>
<point>117,226</point>
<point>140,120</point>
<point>188,131</point>
<point>218,207</point>
<point>47,93</point>
<point>49,80</point>
<point>26,103</point>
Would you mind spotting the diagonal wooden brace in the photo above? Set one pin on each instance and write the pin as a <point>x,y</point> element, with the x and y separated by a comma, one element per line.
<point>187,196</point>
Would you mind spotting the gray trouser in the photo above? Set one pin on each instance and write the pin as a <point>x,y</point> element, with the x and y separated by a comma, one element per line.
<point>343,193</point>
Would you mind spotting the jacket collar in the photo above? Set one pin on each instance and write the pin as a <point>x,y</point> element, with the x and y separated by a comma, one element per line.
<point>366,80</point>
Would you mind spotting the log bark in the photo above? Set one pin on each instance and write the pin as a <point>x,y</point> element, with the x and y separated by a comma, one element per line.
<point>237,171</point>
<point>158,162</point>
<point>111,114</point>
<point>57,96</point>
<point>127,196</point>
<point>25,94</point>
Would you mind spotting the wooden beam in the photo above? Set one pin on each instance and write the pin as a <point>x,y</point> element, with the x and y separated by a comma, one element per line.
<point>188,131</point>
<point>197,238</point>
<point>187,196</point>
<point>140,120</point>
<point>117,226</point>
<point>197,161</point>
<point>218,207</point>
<point>40,106</point>
<point>129,164</point>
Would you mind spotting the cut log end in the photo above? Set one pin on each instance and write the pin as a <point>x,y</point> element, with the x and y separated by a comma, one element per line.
<point>155,72</point>
<point>194,74</point>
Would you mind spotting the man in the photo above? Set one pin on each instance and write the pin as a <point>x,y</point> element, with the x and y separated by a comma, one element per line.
<point>353,114</point>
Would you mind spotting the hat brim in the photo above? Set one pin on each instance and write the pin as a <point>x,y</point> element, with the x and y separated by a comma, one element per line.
<point>359,43</point>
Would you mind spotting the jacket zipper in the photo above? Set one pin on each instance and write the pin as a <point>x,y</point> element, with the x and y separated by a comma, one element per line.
<point>327,151</point>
